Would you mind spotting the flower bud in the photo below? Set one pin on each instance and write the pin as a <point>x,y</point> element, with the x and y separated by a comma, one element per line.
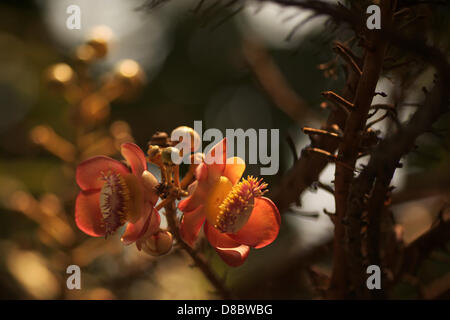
<point>160,139</point>
<point>98,41</point>
<point>130,76</point>
<point>94,108</point>
<point>86,53</point>
<point>153,152</point>
<point>60,76</point>
<point>186,137</point>
<point>158,244</point>
<point>128,69</point>
<point>149,180</point>
<point>170,156</point>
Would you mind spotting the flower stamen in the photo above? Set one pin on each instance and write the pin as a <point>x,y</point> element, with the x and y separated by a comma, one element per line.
<point>236,208</point>
<point>114,200</point>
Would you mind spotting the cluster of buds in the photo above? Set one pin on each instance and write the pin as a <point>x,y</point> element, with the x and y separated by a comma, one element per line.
<point>76,85</point>
<point>97,45</point>
<point>158,244</point>
<point>90,100</point>
<point>162,152</point>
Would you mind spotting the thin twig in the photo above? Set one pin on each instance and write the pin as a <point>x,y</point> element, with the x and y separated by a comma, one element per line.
<point>200,262</point>
<point>273,82</point>
<point>339,101</point>
<point>348,56</point>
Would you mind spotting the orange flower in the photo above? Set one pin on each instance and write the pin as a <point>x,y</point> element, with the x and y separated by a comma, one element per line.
<point>235,215</point>
<point>112,195</point>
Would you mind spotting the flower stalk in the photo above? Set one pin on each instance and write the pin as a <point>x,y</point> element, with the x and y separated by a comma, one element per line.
<point>200,262</point>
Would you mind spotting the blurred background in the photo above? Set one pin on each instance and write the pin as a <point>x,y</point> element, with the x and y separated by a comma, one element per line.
<point>172,64</point>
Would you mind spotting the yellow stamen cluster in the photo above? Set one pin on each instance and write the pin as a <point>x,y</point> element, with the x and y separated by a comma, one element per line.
<point>236,208</point>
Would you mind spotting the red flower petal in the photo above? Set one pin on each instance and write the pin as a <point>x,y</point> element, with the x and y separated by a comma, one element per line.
<point>148,224</point>
<point>207,175</point>
<point>191,188</point>
<point>87,213</point>
<point>263,226</point>
<point>191,224</point>
<point>217,238</point>
<point>232,252</point>
<point>89,171</point>
<point>197,198</point>
<point>153,228</point>
<point>150,182</point>
<point>135,157</point>
<point>201,172</point>
<point>234,169</point>
<point>234,257</point>
<point>216,159</point>
<point>155,222</point>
